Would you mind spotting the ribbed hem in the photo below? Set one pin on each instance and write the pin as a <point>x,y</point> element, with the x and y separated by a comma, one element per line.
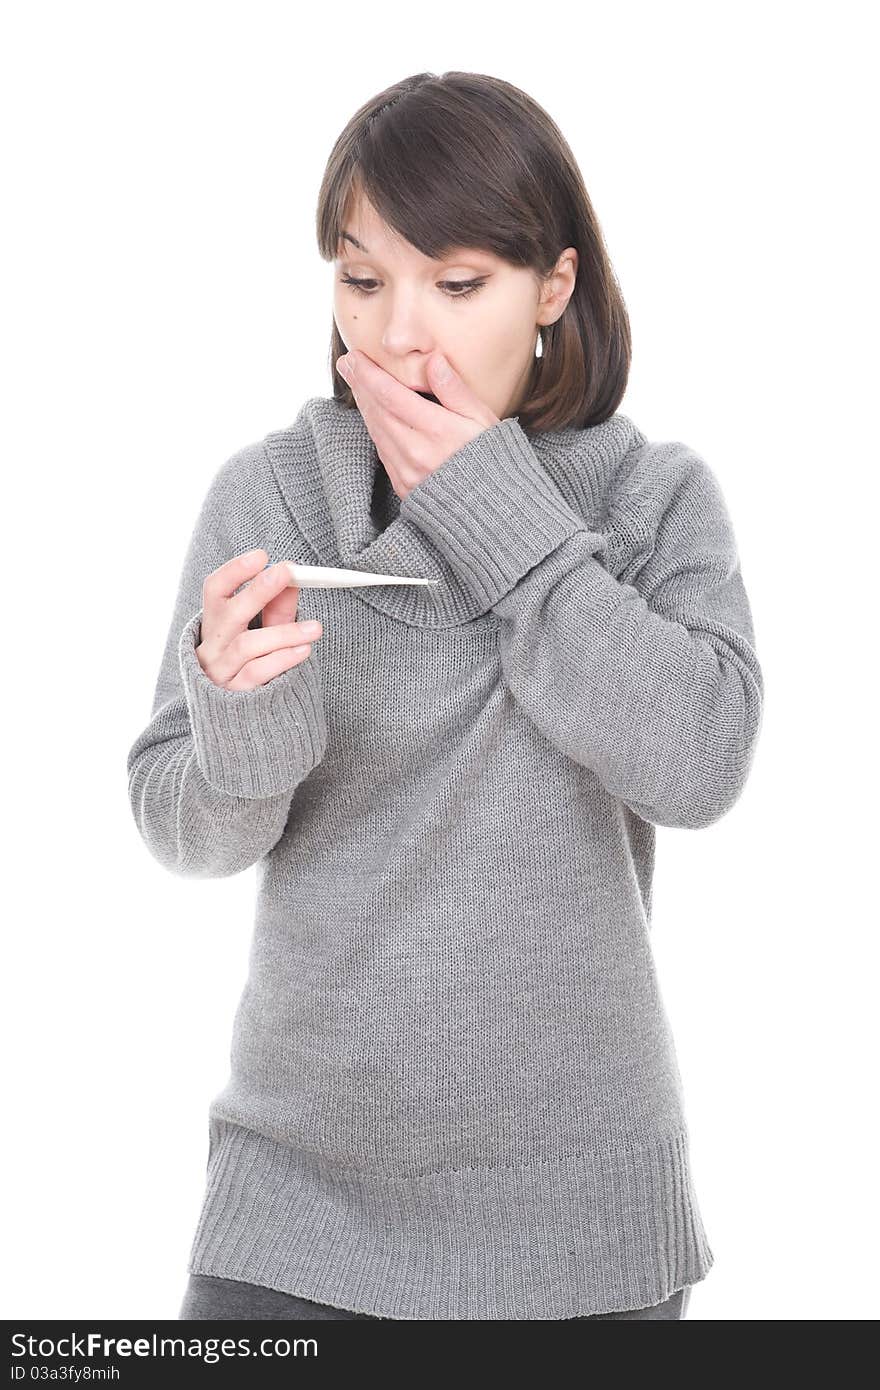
<point>592,1233</point>
<point>493,511</point>
<point>254,743</point>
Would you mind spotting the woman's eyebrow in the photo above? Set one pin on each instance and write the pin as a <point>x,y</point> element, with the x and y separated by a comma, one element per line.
<point>466,252</point>
<point>347,236</point>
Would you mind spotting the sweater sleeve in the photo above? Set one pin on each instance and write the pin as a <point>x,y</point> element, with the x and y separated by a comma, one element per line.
<point>651,682</point>
<point>212,775</point>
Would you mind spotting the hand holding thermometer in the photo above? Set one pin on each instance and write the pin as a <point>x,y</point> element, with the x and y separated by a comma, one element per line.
<point>235,655</point>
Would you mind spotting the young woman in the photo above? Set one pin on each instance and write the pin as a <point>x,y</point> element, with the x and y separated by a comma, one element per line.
<point>454,1091</point>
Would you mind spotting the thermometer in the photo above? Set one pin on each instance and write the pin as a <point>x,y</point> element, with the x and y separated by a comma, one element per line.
<point>330,577</point>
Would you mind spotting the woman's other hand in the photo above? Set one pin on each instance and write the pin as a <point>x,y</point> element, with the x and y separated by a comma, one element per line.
<point>235,656</point>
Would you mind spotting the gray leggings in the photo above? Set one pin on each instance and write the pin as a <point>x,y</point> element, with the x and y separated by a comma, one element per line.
<point>212,1299</point>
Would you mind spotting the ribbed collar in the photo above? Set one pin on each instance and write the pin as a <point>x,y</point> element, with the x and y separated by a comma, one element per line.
<point>338,493</point>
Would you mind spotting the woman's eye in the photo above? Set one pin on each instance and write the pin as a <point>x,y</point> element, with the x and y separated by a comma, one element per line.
<point>454,289</point>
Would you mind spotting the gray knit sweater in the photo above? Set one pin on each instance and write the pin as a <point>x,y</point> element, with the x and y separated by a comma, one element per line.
<point>453,1089</point>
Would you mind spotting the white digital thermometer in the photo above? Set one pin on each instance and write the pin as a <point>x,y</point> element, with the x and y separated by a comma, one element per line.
<point>330,577</point>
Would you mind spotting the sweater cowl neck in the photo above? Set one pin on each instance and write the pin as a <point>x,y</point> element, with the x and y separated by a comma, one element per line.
<point>340,497</point>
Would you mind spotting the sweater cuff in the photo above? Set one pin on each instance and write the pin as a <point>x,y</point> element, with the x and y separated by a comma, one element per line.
<point>493,511</point>
<point>253,743</point>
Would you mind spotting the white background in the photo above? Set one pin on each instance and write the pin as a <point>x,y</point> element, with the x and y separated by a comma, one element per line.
<point>164,304</point>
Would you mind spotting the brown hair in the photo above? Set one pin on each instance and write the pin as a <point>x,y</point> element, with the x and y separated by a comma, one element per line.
<point>464,159</point>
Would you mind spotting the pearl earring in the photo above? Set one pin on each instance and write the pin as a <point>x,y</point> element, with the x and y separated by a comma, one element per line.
<point>539,345</point>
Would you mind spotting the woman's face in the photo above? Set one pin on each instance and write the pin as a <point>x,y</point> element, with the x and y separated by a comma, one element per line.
<point>410,307</point>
